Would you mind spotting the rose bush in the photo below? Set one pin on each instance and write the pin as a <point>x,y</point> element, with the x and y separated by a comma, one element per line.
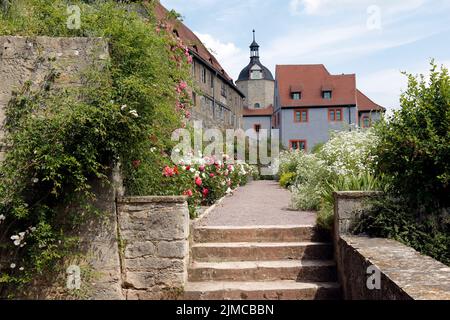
<point>204,180</point>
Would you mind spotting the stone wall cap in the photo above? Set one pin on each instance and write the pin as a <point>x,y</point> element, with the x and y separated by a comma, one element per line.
<point>152,199</point>
<point>419,276</point>
<point>356,194</point>
<point>50,38</point>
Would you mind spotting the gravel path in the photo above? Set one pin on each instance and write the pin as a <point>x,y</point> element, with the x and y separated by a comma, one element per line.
<point>260,203</point>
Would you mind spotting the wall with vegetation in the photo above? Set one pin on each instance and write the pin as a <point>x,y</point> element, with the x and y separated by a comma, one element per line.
<point>381,269</point>
<point>62,138</point>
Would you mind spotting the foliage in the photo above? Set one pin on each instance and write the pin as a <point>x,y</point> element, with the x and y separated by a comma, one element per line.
<point>62,140</point>
<point>343,163</point>
<point>287,179</point>
<point>414,144</point>
<point>414,153</point>
<point>388,218</point>
<point>205,180</point>
<point>364,181</point>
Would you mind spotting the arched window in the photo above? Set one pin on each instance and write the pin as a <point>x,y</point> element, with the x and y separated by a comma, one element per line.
<point>257,106</point>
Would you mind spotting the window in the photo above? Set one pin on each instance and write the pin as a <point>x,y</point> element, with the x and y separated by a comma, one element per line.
<point>194,99</point>
<point>194,67</point>
<point>212,80</point>
<point>257,106</point>
<point>211,108</point>
<point>366,121</point>
<point>327,95</point>
<point>203,75</point>
<point>223,90</point>
<point>301,115</point>
<point>257,127</point>
<point>335,115</point>
<point>296,95</point>
<point>298,144</point>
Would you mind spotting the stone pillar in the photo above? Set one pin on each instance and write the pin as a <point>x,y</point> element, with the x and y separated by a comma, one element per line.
<point>154,246</point>
<point>347,208</point>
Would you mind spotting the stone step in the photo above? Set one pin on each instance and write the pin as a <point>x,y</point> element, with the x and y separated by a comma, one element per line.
<point>259,234</point>
<point>306,270</point>
<point>267,290</point>
<point>261,251</point>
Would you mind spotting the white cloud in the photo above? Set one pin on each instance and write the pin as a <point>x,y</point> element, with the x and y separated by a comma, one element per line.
<point>326,7</point>
<point>385,86</point>
<point>232,58</point>
<point>332,44</point>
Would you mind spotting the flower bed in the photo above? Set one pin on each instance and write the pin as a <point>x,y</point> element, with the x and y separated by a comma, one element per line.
<point>204,180</point>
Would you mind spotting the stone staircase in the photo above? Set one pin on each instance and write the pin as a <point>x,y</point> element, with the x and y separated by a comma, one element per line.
<point>261,263</point>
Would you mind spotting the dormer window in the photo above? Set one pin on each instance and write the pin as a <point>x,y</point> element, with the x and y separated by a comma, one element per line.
<point>195,47</point>
<point>327,95</point>
<point>175,32</point>
<point>296,92</point>
<point>296,95</point>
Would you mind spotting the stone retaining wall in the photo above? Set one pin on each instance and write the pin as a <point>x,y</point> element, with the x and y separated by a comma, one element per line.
<point>154,234</point>
<point>404,274</point>
<point>25,59</point>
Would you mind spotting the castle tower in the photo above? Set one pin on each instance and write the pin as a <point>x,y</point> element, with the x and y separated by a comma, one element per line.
<point>256,81</point>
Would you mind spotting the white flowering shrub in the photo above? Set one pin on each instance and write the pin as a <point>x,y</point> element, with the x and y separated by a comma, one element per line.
<point>346,156</point>
<point>310,174</point>
<point>349,153</point>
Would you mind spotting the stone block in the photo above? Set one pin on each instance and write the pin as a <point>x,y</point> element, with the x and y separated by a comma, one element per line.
<point>139,249</point>
<point>177,249</point>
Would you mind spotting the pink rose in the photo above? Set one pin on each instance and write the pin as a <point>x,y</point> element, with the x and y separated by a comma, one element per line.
<point>198,181</point>
<point>168,172</point>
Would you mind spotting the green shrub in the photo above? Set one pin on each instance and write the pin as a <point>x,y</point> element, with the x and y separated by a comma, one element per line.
<point>388,218</point>
<point>414,153</point>
<point>414,144</point>
<point>287,179</point>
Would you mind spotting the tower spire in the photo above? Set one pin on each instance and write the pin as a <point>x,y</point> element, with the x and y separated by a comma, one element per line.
<point>254,47</point>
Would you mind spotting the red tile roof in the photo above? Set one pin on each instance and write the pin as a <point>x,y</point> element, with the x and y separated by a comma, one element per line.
<point>313,79</point>
<point>365,104</point>
<point>192,41</point>
<point>258,112</point>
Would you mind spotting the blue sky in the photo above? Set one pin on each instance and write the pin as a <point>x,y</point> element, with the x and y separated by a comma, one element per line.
<point>376,39</point>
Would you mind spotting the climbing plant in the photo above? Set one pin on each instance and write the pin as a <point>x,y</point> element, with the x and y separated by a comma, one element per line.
<point>62,140</point>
